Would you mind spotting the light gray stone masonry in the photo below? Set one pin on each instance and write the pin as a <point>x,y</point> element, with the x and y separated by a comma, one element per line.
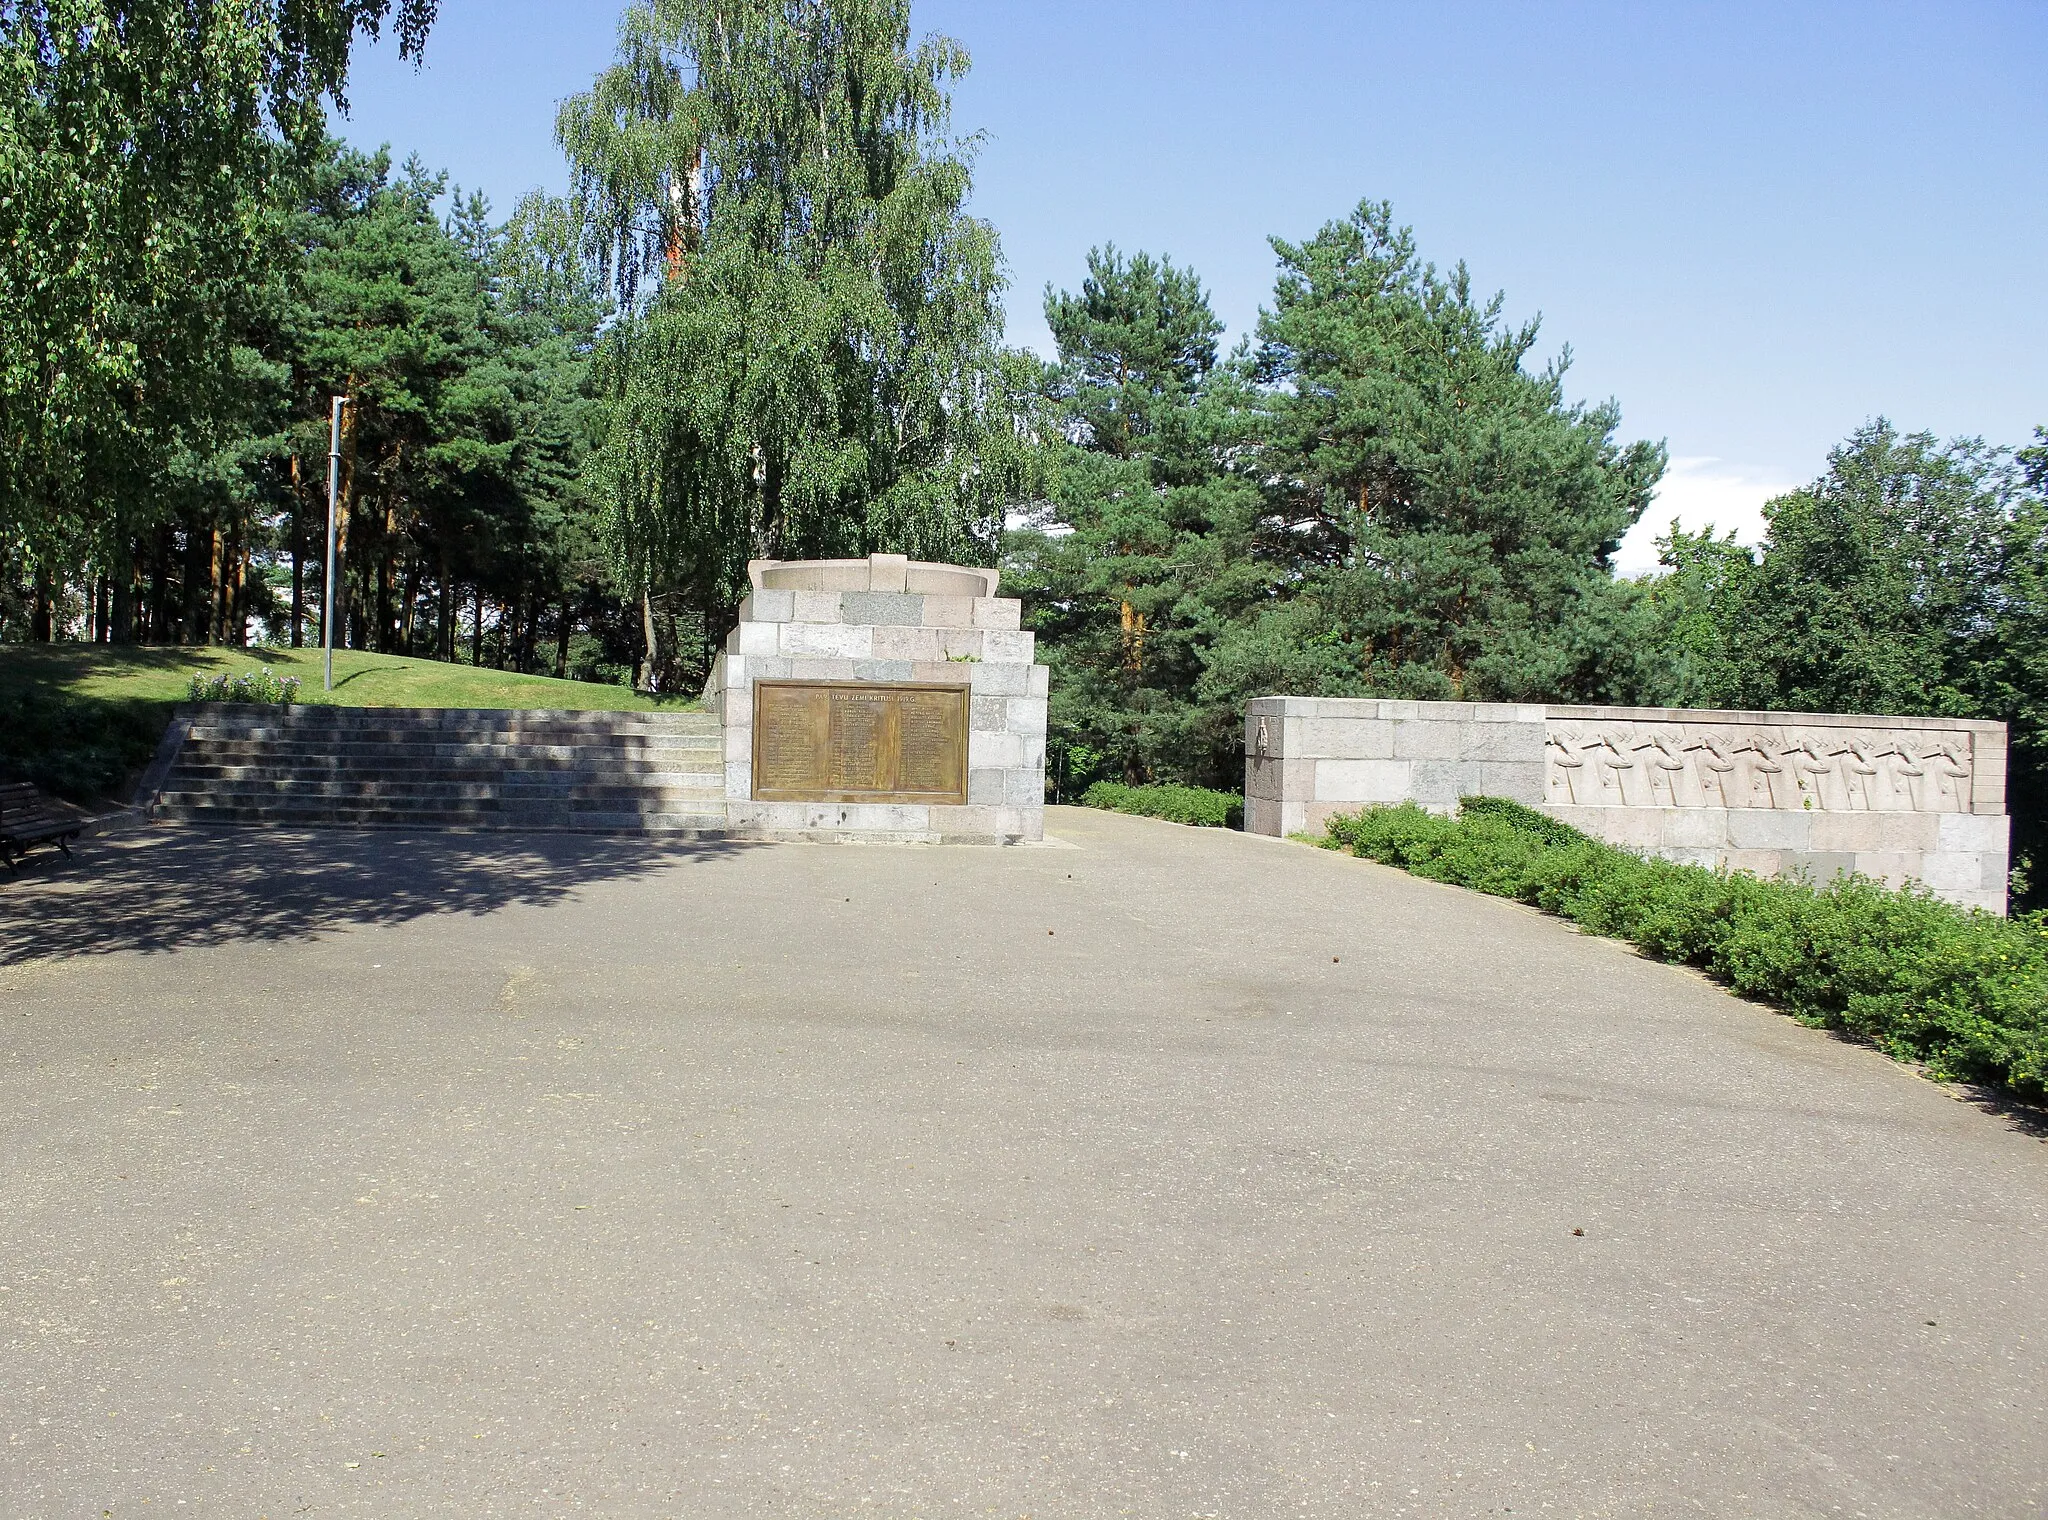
<point>888,619</point>
<point>1896,799</point>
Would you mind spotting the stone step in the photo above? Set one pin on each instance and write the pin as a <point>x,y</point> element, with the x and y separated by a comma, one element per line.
<point>452,802</point>
<point>523,774</point>
<point>368,767</point>
<point>440,741</point>
<point>322,715</point>
<point>709,824</point>
<point>408,793</point>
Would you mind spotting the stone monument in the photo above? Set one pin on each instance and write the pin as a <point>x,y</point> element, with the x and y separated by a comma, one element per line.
<point>880,699</point>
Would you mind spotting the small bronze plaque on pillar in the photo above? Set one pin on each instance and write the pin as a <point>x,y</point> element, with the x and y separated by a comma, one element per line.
<point>859,741</point>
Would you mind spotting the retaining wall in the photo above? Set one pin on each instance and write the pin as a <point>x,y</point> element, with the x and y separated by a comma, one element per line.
<point>1898,799</point>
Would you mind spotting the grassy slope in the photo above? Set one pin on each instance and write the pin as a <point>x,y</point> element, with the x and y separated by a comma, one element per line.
<point>79,719</point>
<point>125,673</point>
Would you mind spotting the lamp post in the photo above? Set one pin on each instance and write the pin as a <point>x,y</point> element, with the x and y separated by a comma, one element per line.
<point>333,489</point>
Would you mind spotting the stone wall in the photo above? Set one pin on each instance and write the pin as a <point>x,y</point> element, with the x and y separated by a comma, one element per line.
<point>1898,799</point>
<point>873,620</point>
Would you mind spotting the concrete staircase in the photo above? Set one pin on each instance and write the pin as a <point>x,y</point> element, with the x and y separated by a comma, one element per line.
<point>370,767</point>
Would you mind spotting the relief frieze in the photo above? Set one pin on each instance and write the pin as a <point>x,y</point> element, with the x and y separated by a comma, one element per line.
<point>1787,767</point>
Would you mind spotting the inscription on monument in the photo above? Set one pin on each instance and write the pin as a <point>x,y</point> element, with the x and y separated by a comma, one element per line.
<point>826,741</point>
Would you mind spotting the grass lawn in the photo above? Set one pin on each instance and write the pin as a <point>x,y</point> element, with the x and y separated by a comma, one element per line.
<point>80,719</point>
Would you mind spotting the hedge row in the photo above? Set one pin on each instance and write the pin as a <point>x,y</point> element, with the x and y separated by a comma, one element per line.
<point>1176,804</point>
<point>1962,991</point>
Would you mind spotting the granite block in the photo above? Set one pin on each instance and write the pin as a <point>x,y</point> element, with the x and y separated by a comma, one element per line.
<point>1520,780</point>
<point>1278,779</point>
<point>1695,828</point>
<point>958,645</point>
<point>815,606</point>
<point>754,638</point>
<point>988,712</point>
<point>994,751</point>
<point>1822,866</point>
<point>997,612</point>
<point>1024,715</point>
<point>1438,784</point>
<point>1000,680</point>
<point>769,606</point>
<point>882,607</point>
<point>840,641</point>
<point>1947,871</point>
<point>1333,738</point>
<point>816,668</point>
<point>1519,743</point>
<point>1769,829</point>
<point>949,612</point>
<point>1893,868</point>
<point>1429,739</point>
<point>1357,781</point>
<point>986,788</point>
<point>1008,644</point>
<point>1976,832</point>
<point>910,644</point>
<point>1756,862</point>
<point>1864,832</point>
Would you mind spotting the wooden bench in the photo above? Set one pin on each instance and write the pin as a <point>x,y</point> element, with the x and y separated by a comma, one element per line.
<point>27,818</point>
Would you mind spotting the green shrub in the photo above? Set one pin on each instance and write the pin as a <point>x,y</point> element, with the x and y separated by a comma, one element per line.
<point>265,686</point>
<point>1176,804</point>
<point>1962,991</point>
<point>76,746</point>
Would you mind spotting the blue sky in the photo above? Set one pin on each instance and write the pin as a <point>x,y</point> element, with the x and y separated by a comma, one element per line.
<point>1756,225</point>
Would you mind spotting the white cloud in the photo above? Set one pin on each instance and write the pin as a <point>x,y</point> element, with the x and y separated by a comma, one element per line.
<point>1700,492</point>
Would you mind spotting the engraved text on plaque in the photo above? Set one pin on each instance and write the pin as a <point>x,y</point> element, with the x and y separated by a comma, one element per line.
<point>830,741</point>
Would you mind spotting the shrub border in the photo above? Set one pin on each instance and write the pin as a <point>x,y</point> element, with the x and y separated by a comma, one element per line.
<point>1197,806</point>
<point>1960,992</point>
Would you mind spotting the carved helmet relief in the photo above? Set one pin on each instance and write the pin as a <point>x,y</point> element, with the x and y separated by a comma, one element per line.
<point>1951,769</point>
<point>1813,767</point>
<point>1614,759</point>
<point>1715,764</point>
<point>1566,765</point>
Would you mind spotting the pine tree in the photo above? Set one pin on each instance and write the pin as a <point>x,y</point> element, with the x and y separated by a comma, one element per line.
<point>1442,520</point>
<point>1151,544</point>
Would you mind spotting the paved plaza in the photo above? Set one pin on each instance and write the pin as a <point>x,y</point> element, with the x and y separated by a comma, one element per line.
<point>1151,1172</point>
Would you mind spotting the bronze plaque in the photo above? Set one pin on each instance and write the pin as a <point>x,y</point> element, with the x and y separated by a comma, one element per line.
<point>859,741</point>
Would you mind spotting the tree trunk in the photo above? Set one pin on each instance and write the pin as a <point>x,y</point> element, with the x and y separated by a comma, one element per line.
<point>650,667</point>
<point>412,593</point>
<point>242,569</point>
<point>476,631</point>
<point>123,630</point>
<point>158,621</point>
<point>387,621</point>
<point>298,560</point>
<point>444,628</point>
<point>562,631</point>
<point>42,619</point>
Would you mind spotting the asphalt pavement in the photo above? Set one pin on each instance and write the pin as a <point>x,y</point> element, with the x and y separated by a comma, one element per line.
<point>1153,1172</point>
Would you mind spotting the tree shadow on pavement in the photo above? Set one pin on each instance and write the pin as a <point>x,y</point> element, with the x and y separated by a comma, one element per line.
<point>172,887</point>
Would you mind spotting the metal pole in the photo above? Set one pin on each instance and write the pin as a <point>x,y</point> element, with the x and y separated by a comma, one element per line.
<point>333,488</point>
